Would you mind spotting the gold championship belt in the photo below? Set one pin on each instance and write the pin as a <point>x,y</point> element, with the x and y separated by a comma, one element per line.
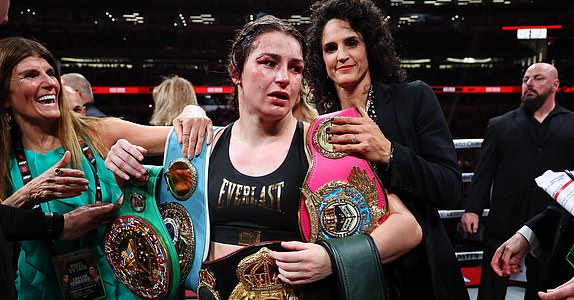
<point>256,276</point>
<point>342,195</point>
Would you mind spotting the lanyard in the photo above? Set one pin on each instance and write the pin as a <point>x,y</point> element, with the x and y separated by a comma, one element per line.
<point>27,176</point>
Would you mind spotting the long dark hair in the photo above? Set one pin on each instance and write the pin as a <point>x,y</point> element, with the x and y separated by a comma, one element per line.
<point>368,20</point>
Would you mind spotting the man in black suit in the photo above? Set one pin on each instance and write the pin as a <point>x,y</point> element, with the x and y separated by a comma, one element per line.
<point>518,147</point>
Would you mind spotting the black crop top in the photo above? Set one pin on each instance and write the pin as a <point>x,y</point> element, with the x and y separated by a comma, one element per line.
<point>245,209</point>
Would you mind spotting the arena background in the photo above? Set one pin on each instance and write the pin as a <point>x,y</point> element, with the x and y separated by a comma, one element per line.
<point>472,52</point>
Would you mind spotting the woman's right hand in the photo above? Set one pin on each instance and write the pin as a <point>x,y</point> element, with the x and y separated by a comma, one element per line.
<point>362,137</point>
<point>304,263</point>
<point>56,182</point>
<point>124,160</point>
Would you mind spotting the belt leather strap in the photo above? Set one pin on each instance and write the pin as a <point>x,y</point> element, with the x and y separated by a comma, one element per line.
<point>342,195</point>
<point>185,209</point>
<point>138,246</point>
<point>357,265</point>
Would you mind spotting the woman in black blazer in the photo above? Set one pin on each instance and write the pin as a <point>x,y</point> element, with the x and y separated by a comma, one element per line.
<point>352,62</point>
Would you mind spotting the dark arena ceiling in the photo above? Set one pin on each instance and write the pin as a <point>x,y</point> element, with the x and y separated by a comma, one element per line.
<point>442,42</point>
<point>191,29</point>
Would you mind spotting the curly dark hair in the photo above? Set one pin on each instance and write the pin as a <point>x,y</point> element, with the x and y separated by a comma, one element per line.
<point>368,20</point>
<point>242,42</point>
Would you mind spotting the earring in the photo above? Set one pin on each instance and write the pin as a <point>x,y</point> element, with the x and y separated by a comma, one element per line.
<point>6,119</point>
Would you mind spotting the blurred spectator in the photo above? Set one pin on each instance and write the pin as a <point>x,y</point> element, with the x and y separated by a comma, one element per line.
<point>75,100</point>
<point>4,7</point>
<point>304,110</point>
<point>170,97</point>
<point>79,83</point>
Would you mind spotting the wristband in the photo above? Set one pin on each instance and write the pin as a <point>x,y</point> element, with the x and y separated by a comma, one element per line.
<point>58,228</point>
<point>54,224</point>
<point>49,221</point>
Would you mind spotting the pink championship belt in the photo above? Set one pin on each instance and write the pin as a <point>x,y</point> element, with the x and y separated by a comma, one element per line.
<point>342,195</point>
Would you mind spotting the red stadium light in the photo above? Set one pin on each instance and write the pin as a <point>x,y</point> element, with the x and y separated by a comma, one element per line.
<point>149,89</point>
<point>438,89</point>
<point>469,89</point>
<point>532,27</point>
<point>476,89</point>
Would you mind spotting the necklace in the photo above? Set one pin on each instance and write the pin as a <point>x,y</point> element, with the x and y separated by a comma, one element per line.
<point>370,107</point>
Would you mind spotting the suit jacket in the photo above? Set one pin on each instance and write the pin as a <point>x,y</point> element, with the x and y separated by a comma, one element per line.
<point>17,224</point>
<point>511,157</point>
<point>425,175</point>
<point>554,228</point>
<point>93,111</point>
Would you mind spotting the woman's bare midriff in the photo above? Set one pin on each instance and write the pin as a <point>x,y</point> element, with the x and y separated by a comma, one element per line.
<point>218,250</point>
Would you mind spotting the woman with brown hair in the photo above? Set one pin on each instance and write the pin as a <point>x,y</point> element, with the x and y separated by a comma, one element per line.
<point>38,128</point>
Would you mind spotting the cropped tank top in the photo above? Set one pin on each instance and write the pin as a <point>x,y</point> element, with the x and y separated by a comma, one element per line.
<point>246,209</point>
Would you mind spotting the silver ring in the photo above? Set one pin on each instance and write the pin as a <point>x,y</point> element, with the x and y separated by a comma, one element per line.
<point>58,171</point>
<point>354,139</point>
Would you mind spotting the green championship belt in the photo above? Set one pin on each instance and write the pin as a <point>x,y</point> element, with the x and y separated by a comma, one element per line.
<point>137,245</point>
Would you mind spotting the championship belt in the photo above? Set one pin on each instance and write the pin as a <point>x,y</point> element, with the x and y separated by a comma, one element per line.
<point>137,245</point>
<point>342,195</point>
<point>256,276</point>
<point>183,206</point>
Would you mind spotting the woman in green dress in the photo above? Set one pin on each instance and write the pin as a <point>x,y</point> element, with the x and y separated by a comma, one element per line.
<point>37,128</point>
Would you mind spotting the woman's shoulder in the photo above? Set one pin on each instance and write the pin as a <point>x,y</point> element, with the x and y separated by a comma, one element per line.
<point>411,85</point>
<point>414,92</point>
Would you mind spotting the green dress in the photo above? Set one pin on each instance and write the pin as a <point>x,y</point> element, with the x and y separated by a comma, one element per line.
<point>36,274</point>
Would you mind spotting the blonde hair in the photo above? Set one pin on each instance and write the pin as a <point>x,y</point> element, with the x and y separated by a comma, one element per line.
<point>170,97</point>
<point>304,110</point>
<point>70,128</point>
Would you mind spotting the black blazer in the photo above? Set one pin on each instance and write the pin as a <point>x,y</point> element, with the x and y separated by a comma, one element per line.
<point>554,228</point>
<point>511,157</point>
<point>17,224</point>
<point>425,175</point>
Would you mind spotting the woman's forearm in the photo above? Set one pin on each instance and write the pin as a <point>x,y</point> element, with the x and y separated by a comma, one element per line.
<point>400,232</point>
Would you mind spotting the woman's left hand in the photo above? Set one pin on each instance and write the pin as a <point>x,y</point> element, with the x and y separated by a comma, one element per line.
<point>303,263</point>
<point>55,183</point>
<point>192,127</point>
<point>360,136</point>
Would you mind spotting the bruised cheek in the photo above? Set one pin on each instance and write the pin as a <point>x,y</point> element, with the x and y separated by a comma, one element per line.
<point>258,77</point>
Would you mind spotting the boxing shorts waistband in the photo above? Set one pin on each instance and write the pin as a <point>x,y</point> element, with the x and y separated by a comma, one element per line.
<point>243,236</point>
